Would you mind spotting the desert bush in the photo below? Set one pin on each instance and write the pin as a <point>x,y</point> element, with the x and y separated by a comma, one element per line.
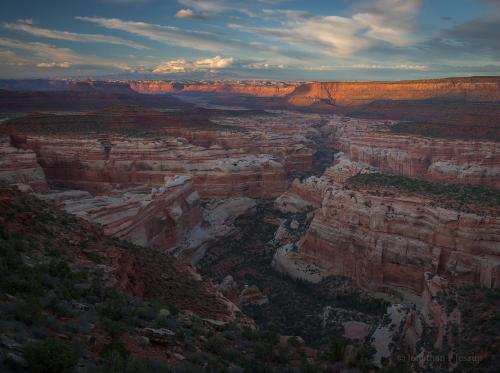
<point>215,344</point>
<point>51,356</point>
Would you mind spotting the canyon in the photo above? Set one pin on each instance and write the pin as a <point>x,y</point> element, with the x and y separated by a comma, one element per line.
<point>331,211</point>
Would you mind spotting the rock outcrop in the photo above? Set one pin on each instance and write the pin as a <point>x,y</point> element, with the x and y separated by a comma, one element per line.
<point>20,167</point>
<point>158,218</point>
<point>100,165</point>
<point>368,144</point>
<point>387,239</point>
<point>394,240</point>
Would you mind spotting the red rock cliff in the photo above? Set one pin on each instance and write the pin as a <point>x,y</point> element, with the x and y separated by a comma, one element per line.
<point>277,90</point>
<point>393,240</point>
<point>359,93</point>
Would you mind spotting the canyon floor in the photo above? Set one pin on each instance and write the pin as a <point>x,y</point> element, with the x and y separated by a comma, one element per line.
<point>153,227</point>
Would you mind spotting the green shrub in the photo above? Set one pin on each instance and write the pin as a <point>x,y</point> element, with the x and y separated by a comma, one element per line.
<point>215,344</point>
<point>336,349</point>
<point>51,356</point>
<point>115,347</point>
<point>59,268</point>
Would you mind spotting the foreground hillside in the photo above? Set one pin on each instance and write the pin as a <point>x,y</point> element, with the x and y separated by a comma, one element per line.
<point>71,298</point>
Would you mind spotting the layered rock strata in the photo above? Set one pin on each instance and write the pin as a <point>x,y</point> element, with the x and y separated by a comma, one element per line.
<point>255,89</point>
<point>100,165</point>
<point>369,144</point>
<point>158,218</point>
<point>387,240</point>
<point>20,167</point>
<point>394,240</point>
<point>359,93</point>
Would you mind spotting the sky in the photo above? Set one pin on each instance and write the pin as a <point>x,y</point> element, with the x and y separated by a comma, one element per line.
<point>249,39</point>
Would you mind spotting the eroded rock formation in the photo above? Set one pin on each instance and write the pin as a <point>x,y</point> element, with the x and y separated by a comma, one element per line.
<point>387,239</point>
<point>158,218</point>
<point>100,165</point>
<point>368,143</point>
<point>394,240</point>
<point>20,167</point>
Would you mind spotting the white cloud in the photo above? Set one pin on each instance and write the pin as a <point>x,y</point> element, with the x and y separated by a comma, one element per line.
<point>183,65</point>
<point>212,7</point>
<point>216,62</point>
<point>41,50</point>
<point>172,67</point>
<point>371,23</point>
<point>47,54</point>
<point>389,20</point>
<point>27,21</point>
<point>61,65</point>
<point>189,14</point>
<point>205,5</point>
<point>11,58</point>
<point>23,26</point>
<point>367,66</point>
<point>199,40</point>
<point>263,66</point>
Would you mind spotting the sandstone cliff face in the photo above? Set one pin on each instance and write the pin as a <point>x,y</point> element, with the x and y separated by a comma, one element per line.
<point>277,90</point>
<point>394,240</point>
<point>359,93</point>
<point>369,144</point>
<point>158,218</point>
<point>18,166</point>
<point>387,241</point>
<point>103,164</point>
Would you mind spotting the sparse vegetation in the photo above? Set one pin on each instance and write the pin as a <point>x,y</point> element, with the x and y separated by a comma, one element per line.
<point>455,131</point>
<point>51,356</point>
<point>456,196</point>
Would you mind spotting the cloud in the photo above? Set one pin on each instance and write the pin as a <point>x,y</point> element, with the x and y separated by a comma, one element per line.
<point>182,65</point>
<point>478,34</point>
<point>209,8</point>
<point>216,62</point>
<point>475,41</point>
<point>47,54</point>
<point>205,5</point>
<point>389,20</point>
<point>199,40</point>
<point>371,23</point>
<point>41,50</point>
<point>263,66</point>
<point>11,58</point>
<point>188,13</point>
<point>23,26</point>
<point>61,65</point>
<point>27,21</point>
<point>367,66</point>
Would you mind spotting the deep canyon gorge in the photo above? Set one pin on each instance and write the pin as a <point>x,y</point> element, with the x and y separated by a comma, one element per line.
<point>234,226</point>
